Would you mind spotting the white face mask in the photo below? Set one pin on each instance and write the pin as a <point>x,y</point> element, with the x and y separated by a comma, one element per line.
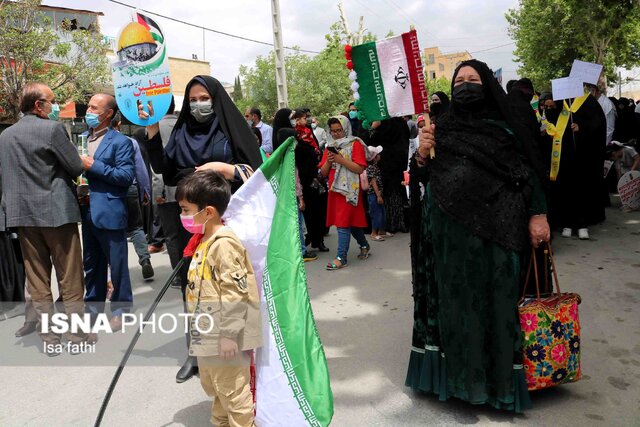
<point>293,122</point>
<point>201,110</point>
<point>313,125</point>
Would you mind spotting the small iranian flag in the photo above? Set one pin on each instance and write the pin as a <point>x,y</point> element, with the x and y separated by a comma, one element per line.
<point>292,379</point>
<point>390,78</point>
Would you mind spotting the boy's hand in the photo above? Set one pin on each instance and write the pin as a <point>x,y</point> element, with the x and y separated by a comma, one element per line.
<point>228,348</point>
<point>380,200</point>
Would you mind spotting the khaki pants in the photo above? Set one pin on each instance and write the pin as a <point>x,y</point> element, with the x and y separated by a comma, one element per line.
<point>228,383</point>
<point>43,247</point>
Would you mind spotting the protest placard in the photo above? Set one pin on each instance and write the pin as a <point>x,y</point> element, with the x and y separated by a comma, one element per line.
<point>629,190</point>
<point>141,71</point>
<point>566,87</point>
<point>586,72</point>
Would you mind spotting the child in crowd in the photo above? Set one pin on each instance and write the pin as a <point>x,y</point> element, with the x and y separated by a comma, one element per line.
<point>626,158</point>
<point>376,202</point>
<point>222,296</point>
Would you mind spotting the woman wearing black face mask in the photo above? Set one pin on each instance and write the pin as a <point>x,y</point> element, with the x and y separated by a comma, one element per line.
<point>209,134</point>
<point>576,193</point>
<point>439,106</point>
<point>483,208</point>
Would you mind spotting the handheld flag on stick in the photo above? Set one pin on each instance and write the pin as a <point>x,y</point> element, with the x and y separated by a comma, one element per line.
<point>388,78</point>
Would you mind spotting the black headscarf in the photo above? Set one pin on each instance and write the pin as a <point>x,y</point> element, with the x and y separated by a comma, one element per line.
<point>480,175</point>
<point>191,143</point>
<point>438,109</point>
<point>281,120</point>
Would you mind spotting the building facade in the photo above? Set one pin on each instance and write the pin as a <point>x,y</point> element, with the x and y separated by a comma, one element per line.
<point>438,64</point>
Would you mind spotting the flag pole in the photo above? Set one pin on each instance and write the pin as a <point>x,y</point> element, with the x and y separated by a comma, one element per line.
<point>425,114</point>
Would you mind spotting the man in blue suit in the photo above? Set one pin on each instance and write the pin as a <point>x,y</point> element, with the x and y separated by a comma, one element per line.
<point>110,169</point>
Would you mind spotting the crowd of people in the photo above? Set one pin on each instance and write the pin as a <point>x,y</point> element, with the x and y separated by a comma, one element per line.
<point>474,211</point>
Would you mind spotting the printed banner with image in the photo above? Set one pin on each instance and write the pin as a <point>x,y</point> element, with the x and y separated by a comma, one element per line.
<point>141,71</point>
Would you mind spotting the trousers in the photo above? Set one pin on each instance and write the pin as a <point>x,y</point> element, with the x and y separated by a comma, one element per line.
<point>42,248</point>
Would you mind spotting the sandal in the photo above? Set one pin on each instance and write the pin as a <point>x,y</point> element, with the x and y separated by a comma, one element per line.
<point>387,234</point>
<point>377,238</point>
<point>364,252</point>
<point>337,264</point>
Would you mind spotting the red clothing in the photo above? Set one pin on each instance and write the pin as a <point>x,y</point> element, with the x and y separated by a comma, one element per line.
<point>339,212</point>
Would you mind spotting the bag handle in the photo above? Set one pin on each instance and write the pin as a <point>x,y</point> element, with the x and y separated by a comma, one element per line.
<point>532,262</point>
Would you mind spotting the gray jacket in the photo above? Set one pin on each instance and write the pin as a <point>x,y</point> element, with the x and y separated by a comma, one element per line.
<point>38,164</point>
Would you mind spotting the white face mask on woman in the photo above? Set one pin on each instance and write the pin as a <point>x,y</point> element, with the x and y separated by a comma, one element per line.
<point>201,110</point>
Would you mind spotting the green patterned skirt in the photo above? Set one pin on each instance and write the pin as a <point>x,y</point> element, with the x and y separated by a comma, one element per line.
<point>466,332</point>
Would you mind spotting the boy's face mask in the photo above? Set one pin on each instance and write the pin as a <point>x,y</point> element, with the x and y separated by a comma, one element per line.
<point>189,224</point>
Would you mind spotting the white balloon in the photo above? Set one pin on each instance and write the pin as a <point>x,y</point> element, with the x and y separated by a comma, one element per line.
<point>352,75</point>
<point>355,86</point>
<point>356,95</point>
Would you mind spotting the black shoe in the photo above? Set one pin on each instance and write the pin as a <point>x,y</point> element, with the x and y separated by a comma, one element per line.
<point>147,270</point>
<point>26,329</point>
<point>309,256</point>
<point>321,248</point>
<point>187,371</point>
<point>307,240</point>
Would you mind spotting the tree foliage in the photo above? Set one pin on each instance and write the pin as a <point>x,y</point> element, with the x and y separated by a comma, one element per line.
<point>71,62</point>
<point>441,84</point>
<point>550,34</point>
<point>320,83</point>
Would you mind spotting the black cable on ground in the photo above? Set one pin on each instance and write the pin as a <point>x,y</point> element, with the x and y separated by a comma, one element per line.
<point>134,340</point>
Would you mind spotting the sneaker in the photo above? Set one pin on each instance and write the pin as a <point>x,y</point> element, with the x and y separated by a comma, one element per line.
<point>566,232</point>
<point>309,256</point>
<point>583,234</point>
<point>147,270</point>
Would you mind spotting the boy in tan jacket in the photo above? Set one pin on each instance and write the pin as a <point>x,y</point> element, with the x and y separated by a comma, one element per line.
<point>222,297</point>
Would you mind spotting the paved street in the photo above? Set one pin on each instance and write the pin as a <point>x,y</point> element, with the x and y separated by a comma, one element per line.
<point>364,317</point>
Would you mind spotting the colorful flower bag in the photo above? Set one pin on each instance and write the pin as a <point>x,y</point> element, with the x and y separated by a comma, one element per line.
<point>550,334</point>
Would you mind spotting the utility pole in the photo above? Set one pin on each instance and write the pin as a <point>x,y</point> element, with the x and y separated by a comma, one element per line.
<point>281,72</point>
<point>619,84</point>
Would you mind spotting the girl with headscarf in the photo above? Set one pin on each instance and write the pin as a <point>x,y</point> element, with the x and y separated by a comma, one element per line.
<point>210,134</point>
<point>484,207</point>
<point>576,194</point>
<point>343,162</point>
<point>439,105</point>
<point>393,135</point>
<point>313,187</point>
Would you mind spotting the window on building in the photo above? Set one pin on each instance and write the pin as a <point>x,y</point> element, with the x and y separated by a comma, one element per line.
<point>441,67</point>
<point>432,58</point>
<point>433,75</point>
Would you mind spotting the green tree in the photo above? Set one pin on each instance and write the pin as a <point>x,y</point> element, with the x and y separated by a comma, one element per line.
<point>71,62</point>
<point>550,34</point>
<point>320,83</point>
<point>441,84</point>
<point>237,90</point>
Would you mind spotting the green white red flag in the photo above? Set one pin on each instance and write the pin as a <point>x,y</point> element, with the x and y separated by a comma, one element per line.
<point>292,378</point>
<point>389,77</point>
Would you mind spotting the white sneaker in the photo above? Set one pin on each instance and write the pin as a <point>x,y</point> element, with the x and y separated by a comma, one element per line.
<point>566,232</point>
<point>583,234</point>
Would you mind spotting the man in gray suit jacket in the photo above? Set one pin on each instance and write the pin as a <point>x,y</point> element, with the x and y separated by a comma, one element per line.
<point>38,164</point>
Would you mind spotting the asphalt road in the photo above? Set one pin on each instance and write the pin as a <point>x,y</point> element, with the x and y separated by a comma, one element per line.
<point>364,317</point>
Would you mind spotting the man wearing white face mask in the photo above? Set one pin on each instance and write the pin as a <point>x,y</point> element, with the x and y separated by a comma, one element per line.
<point>254,119</point>
<point>38,163</point>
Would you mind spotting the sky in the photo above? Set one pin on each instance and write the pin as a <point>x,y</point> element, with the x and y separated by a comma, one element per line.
<point>476,26</point>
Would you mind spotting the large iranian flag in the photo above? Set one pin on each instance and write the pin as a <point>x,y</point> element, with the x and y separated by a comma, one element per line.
<point>390,77</point>
<point>292,379</point>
